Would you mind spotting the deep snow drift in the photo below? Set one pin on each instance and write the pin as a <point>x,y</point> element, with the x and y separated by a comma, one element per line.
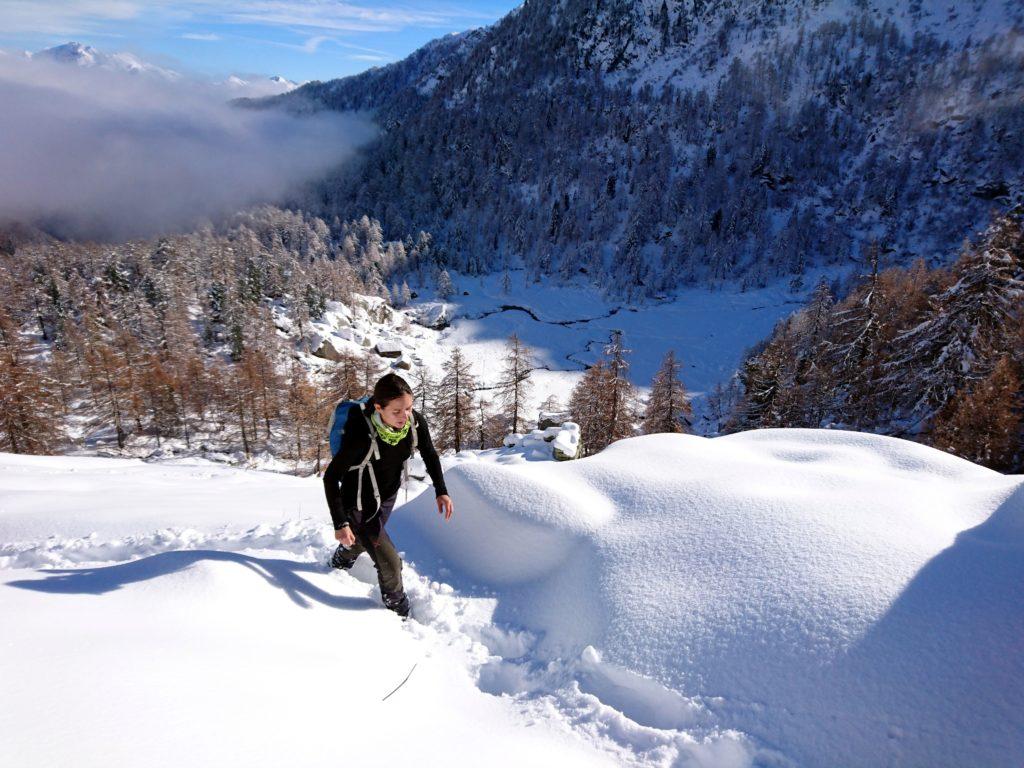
<point>777,597</point>
<point>844,598</point>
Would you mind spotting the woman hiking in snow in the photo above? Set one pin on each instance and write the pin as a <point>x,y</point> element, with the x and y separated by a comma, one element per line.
<point>363,479</point>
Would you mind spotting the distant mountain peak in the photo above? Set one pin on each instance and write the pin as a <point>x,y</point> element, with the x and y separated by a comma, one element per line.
<point>82,55</point>
<point>256,87</point>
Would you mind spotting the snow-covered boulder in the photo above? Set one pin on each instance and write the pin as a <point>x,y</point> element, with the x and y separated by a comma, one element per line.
<point>388,348</point>
<point>432,314</point>
<point>337,314</point>
<point>566,443</point>
<point>559,443</point>
<point>328,348</point>
<point>547,419</point>
<point>350,334</point>
<point>375,308</point>
<point>283,323</point>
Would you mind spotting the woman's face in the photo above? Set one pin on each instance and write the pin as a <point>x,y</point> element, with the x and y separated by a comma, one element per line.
<point>396,412</point>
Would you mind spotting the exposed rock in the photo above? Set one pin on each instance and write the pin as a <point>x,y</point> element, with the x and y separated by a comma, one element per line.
<point>993,190</point>
<point>547,419</point>
<point>328,351</point>
<point>388,349</point>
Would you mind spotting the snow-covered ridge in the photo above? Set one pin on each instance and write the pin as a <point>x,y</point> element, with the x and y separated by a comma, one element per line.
<point>88,57</point>
<point>628,41</point>
<point>81,55</point>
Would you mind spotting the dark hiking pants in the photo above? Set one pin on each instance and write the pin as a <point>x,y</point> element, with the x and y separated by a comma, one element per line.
<point>374,540</point>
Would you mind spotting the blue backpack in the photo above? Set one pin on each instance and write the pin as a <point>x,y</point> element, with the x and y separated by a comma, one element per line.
<point>336,427</point>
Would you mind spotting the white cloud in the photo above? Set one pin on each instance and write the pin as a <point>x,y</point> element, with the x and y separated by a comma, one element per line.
<point>109,154</point>
<point>67,17</point>
<point>311,45</point>
<point>70,17</point>
<point>349,17</point>
<point>210,36</point>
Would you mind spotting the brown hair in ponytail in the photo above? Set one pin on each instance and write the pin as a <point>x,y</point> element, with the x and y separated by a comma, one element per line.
<point>388,387</point>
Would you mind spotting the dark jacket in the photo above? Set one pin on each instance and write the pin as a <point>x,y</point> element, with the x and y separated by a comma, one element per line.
<point>340,484</point>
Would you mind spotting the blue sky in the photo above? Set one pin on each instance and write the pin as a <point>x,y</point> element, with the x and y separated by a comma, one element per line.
<point>314,40</point>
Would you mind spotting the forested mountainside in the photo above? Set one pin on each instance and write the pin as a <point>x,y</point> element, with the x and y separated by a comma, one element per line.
<point>207,339</point>
<point>654,143</point>
<point>935,355</point>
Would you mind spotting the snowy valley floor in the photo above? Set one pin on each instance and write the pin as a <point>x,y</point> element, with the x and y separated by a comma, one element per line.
<point>776,598</point>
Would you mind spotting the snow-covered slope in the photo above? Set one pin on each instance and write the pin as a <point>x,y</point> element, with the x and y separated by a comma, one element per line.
<point>196,646</point>
<point>653,143</point>
<point>415,76</point>
<point>568,326</point>
<point>847,599</point>
<point>565,326</point>
<point>781,597</point>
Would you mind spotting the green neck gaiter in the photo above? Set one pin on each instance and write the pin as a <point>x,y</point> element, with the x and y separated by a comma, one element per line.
<point>388,434</point>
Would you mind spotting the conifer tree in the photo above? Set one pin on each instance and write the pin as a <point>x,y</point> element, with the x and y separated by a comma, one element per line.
<point>445,288</point>
<point>515,386</point>
<point>28,418</point>
<point>668,408</point>
<point>345,379</point>
<point>455,414</point>
<point>585,407</point>
<point>109,384</point>
<point>603,403</point>
<point>304,413</point>
<point>425,388</point>
<point>767,380</point>
<point>619,400</point>
<point>964,327</point>
<point>370,370</point>
<point>984,423</point>
<point>813,382</point>
<point>856,354</point>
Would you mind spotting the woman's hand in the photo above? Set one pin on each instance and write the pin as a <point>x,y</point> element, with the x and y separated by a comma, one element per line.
<point>345,536</point>
<point>445,506</point>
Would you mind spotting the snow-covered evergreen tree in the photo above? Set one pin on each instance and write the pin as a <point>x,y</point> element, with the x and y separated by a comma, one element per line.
<point>964,330</point>
<point>445,288</point>
<point>29,419</point>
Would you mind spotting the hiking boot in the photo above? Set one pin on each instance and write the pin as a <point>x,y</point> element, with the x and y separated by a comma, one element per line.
<point>397,602</point>
<point>341,559</point>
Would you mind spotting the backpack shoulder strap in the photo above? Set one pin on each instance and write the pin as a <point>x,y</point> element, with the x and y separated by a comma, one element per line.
<point>373,453</point>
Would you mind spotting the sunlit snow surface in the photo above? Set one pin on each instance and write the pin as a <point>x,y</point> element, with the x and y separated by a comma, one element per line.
<point>779,597</point>
<point>567,327</point>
